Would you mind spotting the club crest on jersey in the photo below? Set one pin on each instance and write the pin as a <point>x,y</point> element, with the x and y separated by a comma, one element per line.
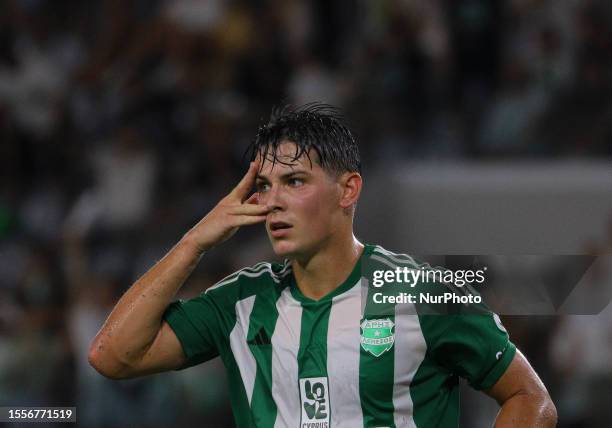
<point>377,336</point>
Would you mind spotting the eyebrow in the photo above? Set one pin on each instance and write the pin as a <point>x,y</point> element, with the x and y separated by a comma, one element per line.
<point>283,176</point>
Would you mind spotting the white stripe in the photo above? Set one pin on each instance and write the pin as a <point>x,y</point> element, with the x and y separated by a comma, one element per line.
<point>253,272</point>
<point>232,277</point>
<point>398,258</point>
<point>285,346</point>
<point>365,288</point>
<point>409,351</point>
<point>408,259</point>
<point>242,354</point>
<point>343,347</point>
<point>385,261</point>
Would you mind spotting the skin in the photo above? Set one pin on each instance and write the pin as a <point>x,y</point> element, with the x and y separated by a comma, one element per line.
<point>523,397</point>
<point>134,340</point>
<point>319,207</point>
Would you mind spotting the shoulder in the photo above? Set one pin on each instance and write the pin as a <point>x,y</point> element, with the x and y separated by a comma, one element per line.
<point>382,258</point>
<point>250,280</point>
<point>390,259</point>
<point>403,270</point>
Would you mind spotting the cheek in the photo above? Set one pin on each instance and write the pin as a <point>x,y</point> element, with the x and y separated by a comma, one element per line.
<point>312,205</point>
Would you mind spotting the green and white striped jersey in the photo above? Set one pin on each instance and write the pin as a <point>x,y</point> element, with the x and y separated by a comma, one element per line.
<point>341,361</point>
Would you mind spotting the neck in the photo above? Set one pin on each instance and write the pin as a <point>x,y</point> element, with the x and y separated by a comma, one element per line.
<point>322,273</point>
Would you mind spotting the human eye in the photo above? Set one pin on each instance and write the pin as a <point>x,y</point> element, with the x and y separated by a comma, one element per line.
<point>295,182</point>
<point>262,186</point>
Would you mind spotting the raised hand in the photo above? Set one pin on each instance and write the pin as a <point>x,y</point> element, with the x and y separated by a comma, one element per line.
<point>235,210</point>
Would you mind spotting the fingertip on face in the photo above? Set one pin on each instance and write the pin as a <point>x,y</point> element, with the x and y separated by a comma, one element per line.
<point>253,199</point>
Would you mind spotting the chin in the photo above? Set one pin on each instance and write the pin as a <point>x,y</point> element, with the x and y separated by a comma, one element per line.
<point>283,248</point>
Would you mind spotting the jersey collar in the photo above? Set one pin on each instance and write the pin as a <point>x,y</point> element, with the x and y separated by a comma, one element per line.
<point>346,285</point>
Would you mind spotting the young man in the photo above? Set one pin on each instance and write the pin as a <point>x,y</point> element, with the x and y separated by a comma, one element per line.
<point>304,342</point>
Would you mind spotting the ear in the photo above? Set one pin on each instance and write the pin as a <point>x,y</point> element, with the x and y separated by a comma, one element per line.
<point>350,185</point>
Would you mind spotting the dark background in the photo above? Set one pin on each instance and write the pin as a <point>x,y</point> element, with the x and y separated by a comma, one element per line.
<point>485,128</point>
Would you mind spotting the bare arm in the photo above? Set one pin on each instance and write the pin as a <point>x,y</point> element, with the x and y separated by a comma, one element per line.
<point>523,397</point>
<point>134,340</point>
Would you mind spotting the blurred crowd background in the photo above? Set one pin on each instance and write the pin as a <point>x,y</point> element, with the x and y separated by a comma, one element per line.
<point>122,122</point>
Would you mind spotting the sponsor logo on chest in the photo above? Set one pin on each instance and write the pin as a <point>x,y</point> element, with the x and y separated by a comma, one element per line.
<point>314,396</point>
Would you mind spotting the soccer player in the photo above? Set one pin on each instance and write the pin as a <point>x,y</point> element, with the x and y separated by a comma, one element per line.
<point>303,341</point>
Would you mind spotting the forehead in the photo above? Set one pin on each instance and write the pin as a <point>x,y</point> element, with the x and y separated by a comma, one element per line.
<point>284,160</point>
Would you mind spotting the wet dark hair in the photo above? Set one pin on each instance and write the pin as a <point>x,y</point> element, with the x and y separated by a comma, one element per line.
<point>315,126</point>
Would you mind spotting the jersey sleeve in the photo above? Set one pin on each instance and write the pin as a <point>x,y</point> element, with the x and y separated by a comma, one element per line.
<point>203,324</point>
<point>197,324</point>
<point>470,341</point>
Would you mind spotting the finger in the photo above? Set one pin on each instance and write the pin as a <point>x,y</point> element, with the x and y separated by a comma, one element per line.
<point>244,186</point>
<point>249,209</point>
<point>245,220</point>
<point>253,199</point>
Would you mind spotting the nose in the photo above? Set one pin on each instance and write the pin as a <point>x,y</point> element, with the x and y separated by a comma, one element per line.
<point>274,198</point>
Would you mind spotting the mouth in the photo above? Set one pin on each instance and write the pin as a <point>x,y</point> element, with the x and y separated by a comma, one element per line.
<point>279,229</point>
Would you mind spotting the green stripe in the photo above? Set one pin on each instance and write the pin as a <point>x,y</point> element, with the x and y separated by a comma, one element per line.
<point>434,390</point>
<point>261,327</point>
<point>258,268</point>
<point>435,396</point>
<point>376,373</point>
<point>238,398</point>
<point>237,393</point>
<point>312,354</point>
<point>404,259</point>
<point>264,306</point>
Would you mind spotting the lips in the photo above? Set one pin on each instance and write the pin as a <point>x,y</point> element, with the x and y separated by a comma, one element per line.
<point>278,229</point>
<point>276,225</point>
